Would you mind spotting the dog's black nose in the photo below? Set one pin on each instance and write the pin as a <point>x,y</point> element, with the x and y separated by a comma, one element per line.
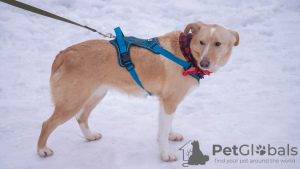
<point>204,64</point>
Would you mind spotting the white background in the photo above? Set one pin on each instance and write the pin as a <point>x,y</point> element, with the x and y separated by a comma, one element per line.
<point>254,99</point>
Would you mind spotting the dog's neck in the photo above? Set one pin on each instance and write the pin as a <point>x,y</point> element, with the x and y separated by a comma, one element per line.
<point>170,42</point>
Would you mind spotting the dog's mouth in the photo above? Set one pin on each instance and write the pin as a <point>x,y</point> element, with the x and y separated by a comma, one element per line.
<point>211,69</point>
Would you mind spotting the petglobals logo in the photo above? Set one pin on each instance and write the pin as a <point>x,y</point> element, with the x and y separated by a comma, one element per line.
<point>246,150</point>
<point>254,154</point>
<point>195,153</point>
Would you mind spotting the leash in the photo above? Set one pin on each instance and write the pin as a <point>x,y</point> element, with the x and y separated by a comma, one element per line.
<point>50,15</point>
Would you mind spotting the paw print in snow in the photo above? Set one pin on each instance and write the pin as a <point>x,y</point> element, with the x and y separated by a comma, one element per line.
<point>261,150</point>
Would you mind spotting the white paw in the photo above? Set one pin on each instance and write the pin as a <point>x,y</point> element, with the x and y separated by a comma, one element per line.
<point>94,136</point>
<point>44,152</point>
<point>175,136</point>
<point>169,157</point>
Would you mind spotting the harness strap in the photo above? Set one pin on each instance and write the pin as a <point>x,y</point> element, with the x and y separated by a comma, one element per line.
<point>126,58</point>
<point>120,40</point>
<point>170,56</point>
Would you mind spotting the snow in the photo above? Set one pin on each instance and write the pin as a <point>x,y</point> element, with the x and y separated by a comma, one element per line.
<point>254,99</point>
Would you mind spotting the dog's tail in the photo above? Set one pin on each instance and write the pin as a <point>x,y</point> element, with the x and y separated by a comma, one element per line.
<point>57,62</point>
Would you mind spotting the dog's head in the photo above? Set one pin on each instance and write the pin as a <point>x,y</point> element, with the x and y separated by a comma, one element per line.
<point>211,45</point>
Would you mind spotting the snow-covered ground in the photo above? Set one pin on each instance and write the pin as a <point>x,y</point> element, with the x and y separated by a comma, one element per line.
<point>254,99</point>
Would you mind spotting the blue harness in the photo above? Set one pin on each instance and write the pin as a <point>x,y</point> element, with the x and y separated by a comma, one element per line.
<point>123,44</point>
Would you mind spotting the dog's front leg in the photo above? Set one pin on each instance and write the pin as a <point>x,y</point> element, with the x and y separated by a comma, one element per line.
<point>164,128</point>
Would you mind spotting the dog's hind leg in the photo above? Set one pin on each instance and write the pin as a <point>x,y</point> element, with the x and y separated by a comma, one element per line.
<point>83,115</point>
<point>59,116</point>
<point>69,95</point>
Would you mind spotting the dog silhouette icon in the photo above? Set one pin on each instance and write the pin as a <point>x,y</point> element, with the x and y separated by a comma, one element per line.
<point>197,156</point>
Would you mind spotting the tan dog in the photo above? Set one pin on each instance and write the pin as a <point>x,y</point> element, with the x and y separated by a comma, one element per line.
<point>82,74</point>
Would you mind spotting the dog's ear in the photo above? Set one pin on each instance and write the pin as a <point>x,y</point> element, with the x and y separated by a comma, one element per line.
<point>195,27</point>
<point>236,36</point>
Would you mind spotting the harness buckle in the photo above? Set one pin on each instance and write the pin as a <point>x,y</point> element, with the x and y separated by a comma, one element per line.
<point>125,57</point>
<point>127,61</point>
<point>129,66</point>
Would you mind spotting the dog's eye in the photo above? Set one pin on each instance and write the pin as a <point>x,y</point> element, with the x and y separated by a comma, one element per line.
<point>218,44</point>
<point>202,43</point>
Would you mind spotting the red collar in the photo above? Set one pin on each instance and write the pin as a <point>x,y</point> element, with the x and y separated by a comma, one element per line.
<point>184,43</point>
